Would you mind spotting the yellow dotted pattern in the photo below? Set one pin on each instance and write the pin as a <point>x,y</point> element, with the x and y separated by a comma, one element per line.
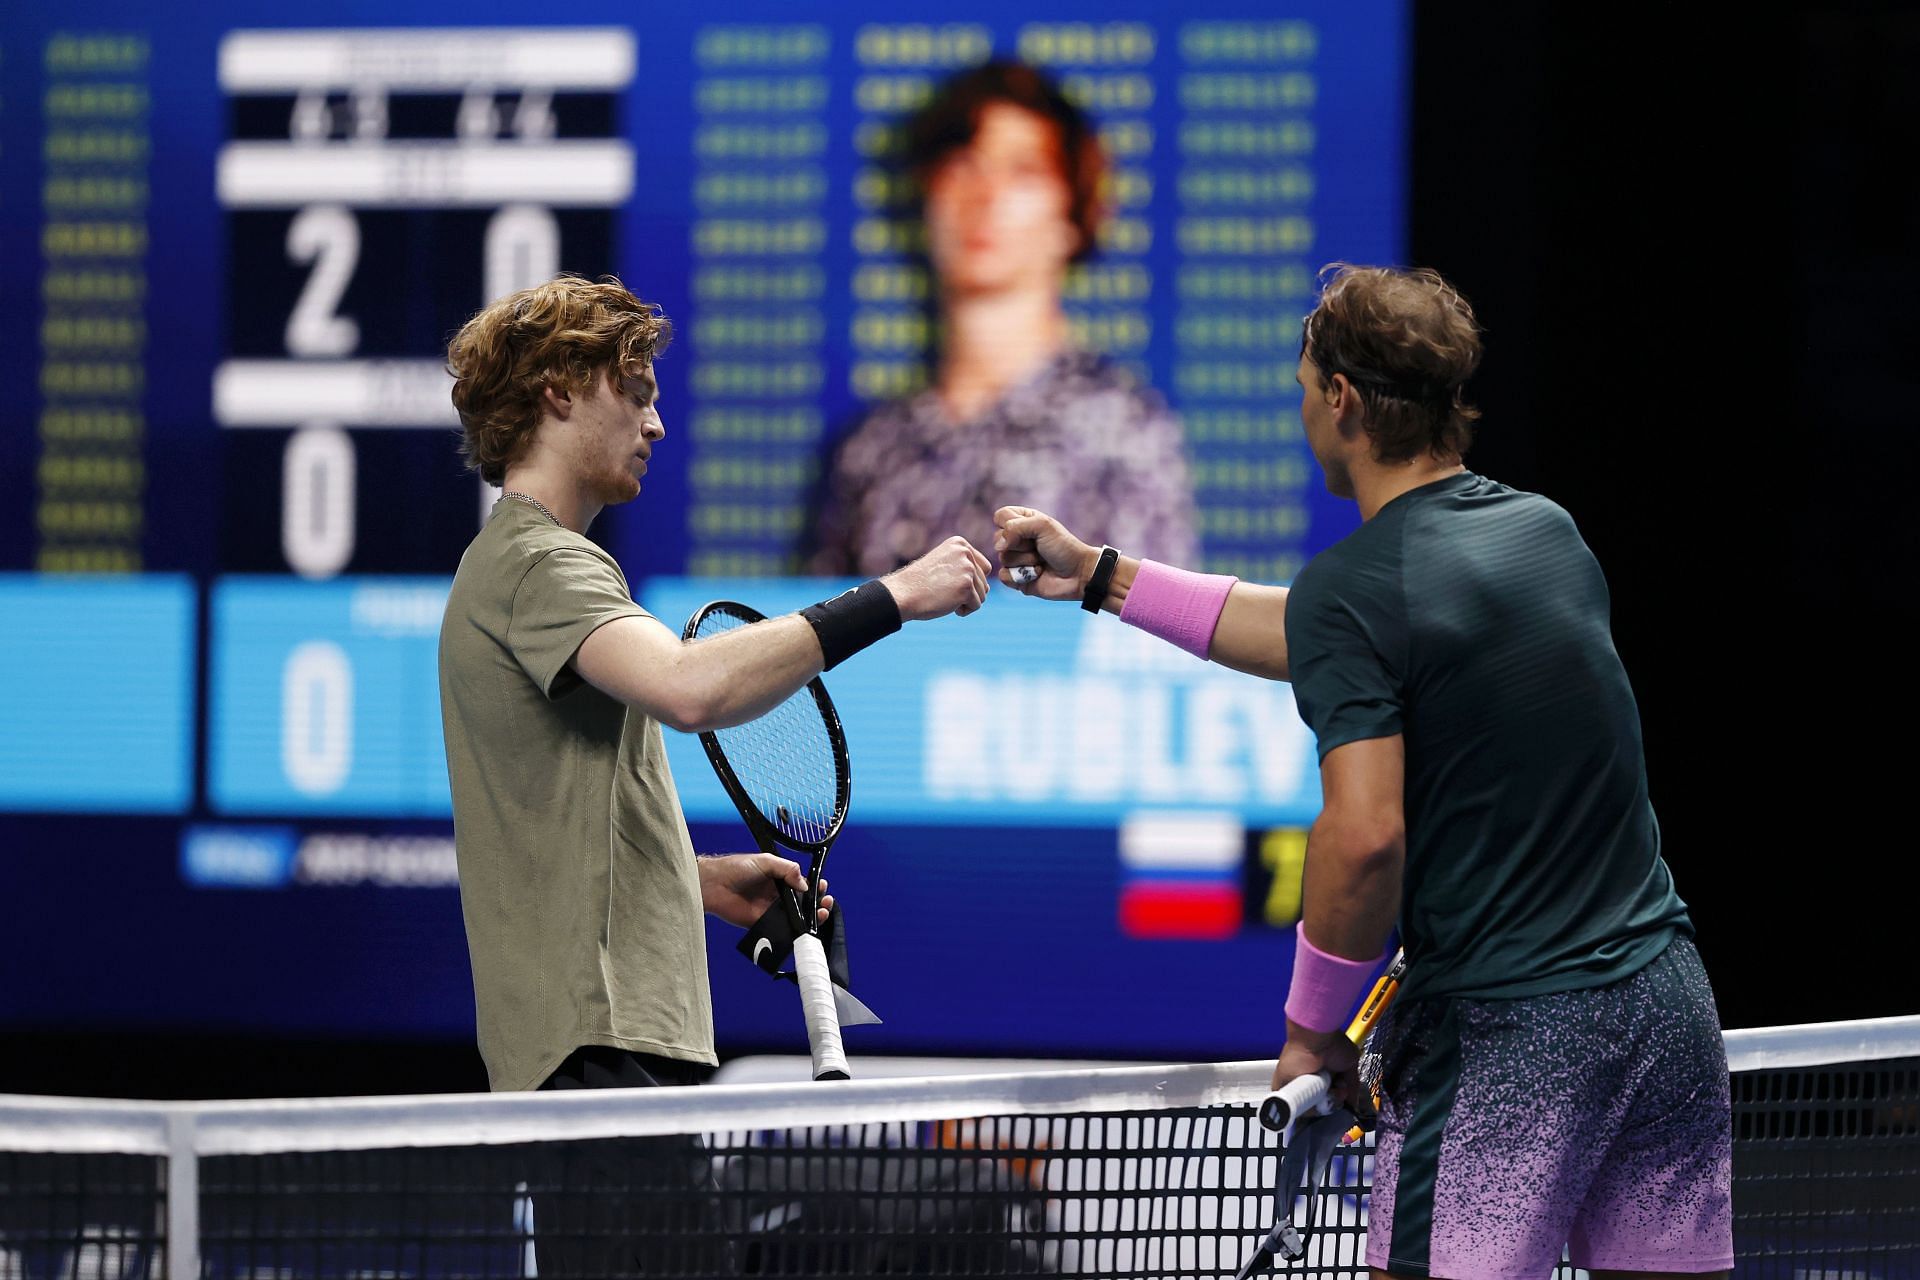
<point>90,474</point>
<point>760,191</point>
<point>1247,240</point>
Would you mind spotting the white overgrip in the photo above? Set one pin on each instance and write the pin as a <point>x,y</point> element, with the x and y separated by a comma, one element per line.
<point>816,1001</point>
<point>1299,1097</point>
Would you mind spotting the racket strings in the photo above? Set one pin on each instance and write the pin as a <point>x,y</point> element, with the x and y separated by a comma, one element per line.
<point>785,761</point>
<point>1372,1067</point>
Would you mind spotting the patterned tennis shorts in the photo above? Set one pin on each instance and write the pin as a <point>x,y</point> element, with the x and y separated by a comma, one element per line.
<point>1594,1119</point>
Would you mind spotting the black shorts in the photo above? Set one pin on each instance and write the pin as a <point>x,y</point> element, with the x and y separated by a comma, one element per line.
<point>615,1207</point>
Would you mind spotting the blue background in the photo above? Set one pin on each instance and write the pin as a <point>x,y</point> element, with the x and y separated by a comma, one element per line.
<point>1693,261</point>
<point>103,718</point>
<point>156,850</point>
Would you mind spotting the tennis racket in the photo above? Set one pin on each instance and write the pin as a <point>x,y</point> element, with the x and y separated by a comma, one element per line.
<point>788,775</point>
<point>1307,1095</point>
<point>1308,1153</point>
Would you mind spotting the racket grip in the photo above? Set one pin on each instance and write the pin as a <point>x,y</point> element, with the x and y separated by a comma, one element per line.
<point>1298,1097</point>
<point>816,1000</point>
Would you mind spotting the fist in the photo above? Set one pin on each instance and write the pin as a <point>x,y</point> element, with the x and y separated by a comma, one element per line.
<point>1306,1052</point>
<point>951,578</point>
<point>1039,557</point>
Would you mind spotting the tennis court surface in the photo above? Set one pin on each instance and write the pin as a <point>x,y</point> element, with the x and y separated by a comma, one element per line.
<point>1115,1172</point>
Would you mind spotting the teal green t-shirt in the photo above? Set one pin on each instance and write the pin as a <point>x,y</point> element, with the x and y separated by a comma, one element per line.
<point>1472,619</point>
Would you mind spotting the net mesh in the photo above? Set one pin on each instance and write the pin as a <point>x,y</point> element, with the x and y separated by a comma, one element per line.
<point>1826,1168</point>
<point>72,1215</point>
<point>1826,1171</point>
<point>1176,1193</point>
<point>785,759</point>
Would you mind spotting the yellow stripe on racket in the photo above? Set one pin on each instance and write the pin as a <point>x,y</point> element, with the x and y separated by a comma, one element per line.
<point>1376,1004</point>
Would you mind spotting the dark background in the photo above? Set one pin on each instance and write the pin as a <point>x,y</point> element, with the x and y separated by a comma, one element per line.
<point>1695,246</point>
<point>1695,249</point>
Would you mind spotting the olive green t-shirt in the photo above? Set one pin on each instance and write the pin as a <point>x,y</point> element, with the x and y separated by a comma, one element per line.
<point>577,876</point>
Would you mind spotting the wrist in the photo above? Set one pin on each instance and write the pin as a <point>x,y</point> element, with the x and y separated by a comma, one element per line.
<point>1310,1040</point>
<point>1120,585</point>
<point>1089,561</point>
<point>1179,606</point>
<point>1325,988</point>
<point>852,620</point>
<point>704,866</point>
<point>1099,580</point>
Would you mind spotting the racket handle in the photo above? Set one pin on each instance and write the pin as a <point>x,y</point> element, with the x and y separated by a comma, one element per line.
<point>1298,1097</point>
<point>816,1000</point>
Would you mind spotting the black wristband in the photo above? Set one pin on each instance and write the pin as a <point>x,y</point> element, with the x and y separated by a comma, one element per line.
<point>853,620</point>
<point>1097,585</point>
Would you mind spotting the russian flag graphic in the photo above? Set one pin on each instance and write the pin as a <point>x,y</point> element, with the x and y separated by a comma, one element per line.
<point>1180,875</point>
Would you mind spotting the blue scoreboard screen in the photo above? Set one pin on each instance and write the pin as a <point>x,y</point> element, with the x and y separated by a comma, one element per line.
<point>235,247</point>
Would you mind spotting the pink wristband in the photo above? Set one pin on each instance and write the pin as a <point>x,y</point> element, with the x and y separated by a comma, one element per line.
<point>1325,988</point>
<point>1178,606</point>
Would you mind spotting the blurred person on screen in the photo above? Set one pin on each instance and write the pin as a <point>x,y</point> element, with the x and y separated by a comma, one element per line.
<point>1552,1072</point>
<point>581,893</point>
<point>1011,176</point>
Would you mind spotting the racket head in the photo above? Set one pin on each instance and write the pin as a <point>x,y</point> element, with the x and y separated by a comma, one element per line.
<point>787,772</point>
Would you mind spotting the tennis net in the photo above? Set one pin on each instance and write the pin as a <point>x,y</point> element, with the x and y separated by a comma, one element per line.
<point>1117,1172</point>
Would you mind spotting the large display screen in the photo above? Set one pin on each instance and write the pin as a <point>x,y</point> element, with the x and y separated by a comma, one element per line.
<point>236,244</point>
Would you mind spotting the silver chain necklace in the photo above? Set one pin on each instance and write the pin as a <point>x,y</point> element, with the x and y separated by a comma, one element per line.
<point>530,500</point>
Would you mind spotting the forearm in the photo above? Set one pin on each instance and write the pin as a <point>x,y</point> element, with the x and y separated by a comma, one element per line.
<point>1251,634</point>
<point>1350,889</point>
<point>712,880</point>
<point>706,684</point>
<point>741,675</point>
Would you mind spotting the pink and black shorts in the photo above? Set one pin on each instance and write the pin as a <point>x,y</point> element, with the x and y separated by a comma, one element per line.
<point>1597,1120</point>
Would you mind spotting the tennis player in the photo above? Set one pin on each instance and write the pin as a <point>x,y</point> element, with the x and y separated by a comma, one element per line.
<point>582,895</point>
<point>1010,178</point>
<point>1553,1068</point>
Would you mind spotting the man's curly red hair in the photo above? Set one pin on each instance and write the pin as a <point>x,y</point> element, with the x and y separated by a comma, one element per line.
<point>564,334</point>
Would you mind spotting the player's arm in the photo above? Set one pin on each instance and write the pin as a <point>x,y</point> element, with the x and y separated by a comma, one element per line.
<point>1357,849</point>
<point>1250,634</point>
<point>1350,889</point>
<point>735,677</point>
<point>726,680</point>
